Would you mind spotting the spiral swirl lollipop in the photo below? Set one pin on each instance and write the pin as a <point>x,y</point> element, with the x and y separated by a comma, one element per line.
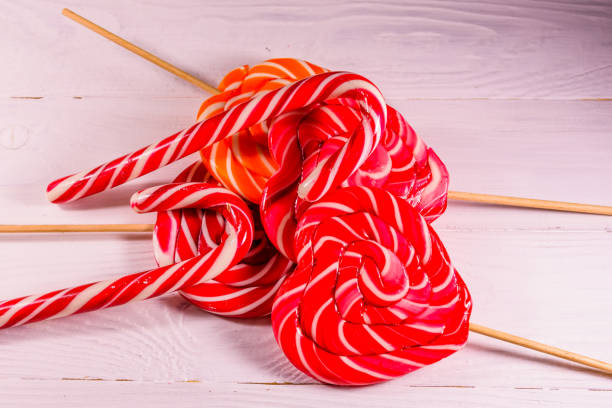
<point>246,289</point>
<point>243,163</point>
<point>301,139</point>
<point>374,295</point>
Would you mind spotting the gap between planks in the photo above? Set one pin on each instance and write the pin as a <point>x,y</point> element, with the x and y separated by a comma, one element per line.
<point>138,96</point>
<point>289,383</point>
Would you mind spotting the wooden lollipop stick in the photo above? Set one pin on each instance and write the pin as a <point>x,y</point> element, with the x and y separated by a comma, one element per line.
<point>530,203</point>
<point>139,51</point>
<point>453,195</point>
<point>542,348</point>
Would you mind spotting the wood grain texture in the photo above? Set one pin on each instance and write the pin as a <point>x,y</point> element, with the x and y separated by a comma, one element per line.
<point>420,49</point>
<point>495,87</point>
<point>74,393</point>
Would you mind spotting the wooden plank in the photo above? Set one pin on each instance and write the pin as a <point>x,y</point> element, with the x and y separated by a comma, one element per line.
<point>425,49</point>
<point>499,147</point>
<point>551,286</point>
<point>72,393</point>
<point>495,88</point>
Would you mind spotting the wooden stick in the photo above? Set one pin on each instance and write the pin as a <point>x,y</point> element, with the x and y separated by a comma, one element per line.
<point>530,203</point>
<point>76,228</point>
<point>542,348</point>
<point>139,51</point>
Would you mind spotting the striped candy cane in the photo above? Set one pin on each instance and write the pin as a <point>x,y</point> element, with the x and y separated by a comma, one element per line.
<point>246,289</point>
<point>306,92</point>
<point>374,295</point>
<point>234,242</point>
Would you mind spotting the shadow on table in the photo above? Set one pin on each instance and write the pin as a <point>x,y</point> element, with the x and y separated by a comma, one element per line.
<point>257,349</point>
<point>115,197</point>
<point>528,355</point>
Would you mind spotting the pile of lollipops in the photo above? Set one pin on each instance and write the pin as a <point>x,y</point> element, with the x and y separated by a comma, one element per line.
<point>312,201</point>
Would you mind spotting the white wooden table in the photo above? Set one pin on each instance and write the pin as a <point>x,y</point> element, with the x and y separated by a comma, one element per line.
<point>513,95</point>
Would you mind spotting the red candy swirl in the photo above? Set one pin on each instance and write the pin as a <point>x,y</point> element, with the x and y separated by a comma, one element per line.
<point>374,295</point>
<point>246,289</point>
<point>300,140</point>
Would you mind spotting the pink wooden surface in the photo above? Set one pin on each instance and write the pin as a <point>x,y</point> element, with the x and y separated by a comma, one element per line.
<point>515,97</point>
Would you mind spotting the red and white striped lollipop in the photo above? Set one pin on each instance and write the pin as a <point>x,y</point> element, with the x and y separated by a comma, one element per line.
<point>246,289</point>
<point>307,92</point>
<point>243,162</point>
<point>232,242</point>
<point>374,295</point>
<point>301,139</point>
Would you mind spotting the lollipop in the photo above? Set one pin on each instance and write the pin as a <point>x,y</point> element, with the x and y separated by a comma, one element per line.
<point>299,140</point>
<point>374,295</point>
<point>243,162</point>
<point>402,164</point>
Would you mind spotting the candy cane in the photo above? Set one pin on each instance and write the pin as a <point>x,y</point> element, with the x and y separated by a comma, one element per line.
<point>306,92</point>
<point>374,295</point>
<point>234,243</point>
<point>246,289</point>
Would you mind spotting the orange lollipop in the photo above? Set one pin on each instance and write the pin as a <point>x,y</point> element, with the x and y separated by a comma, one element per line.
<point>243,162</point>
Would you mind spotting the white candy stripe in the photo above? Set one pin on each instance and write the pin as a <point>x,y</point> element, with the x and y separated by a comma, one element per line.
<point>393,357</point>
<point>317,316</point>
<point>90,181</point>
<point>188,237</point>
<point>346,226</point>
<point>334,118</point>
<point>449,278</point>
<point>220,298</point>
<point>238,98</point>
<point>298,346</point>
<point>280,68</point>
<point>398,216</point>
<point>370,221</point>
<point>289,293</point>
<point>255,304</point>
<point>170,151</point>
<point>335,206</point>
<point>349,362</point>
<point>372,200</point>
<point>189,139</point>
<point>306,66</point>
<point>213,107</point>
<point>82,298</point>
<point>326,239</point>
<point>443,347</point>
<point>343,339</point>
<point>383,343</point>
<point>280,231</point>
